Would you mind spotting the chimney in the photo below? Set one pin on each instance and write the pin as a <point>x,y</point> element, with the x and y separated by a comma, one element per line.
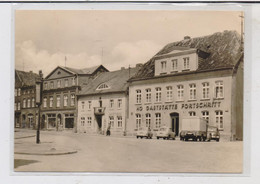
<point>187,37</point>
<point>122,68</point>
<point>40,74</point>
<point>138,65</point>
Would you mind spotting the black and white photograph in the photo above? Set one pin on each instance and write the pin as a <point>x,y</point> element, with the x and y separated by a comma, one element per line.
<point>128,91</point>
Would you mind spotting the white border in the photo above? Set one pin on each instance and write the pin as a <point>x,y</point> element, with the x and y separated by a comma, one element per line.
<point>251,98</point>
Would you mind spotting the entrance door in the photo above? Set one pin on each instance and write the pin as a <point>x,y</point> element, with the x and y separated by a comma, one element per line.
<point>99,121</point>
<point>175,122</point>
<point>69,122</point>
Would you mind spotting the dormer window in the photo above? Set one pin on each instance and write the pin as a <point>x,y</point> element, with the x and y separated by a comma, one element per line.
<point>174,65</point>
<point>186,63</point>
<point>163,67</point>
<point>102,86</point>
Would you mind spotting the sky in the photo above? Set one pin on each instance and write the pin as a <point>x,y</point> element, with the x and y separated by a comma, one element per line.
<point>114,39</point>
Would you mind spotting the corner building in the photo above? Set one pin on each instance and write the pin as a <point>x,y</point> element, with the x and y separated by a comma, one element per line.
<point>194,77</point>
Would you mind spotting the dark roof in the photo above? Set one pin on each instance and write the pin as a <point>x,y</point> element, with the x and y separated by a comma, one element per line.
<point>224,49</point>
<point>27,78</point>
<point>89,71</point>
<point>116,80</point>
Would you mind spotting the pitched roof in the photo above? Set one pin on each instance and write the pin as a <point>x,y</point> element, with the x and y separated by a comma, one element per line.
<point>27,78</point>
<point>116,80</point>
<point>224,50</point>
<point>89,71</point>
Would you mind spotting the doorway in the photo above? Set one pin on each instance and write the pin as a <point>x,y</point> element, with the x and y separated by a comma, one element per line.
<point>175,122</point>
<point>99,122</point>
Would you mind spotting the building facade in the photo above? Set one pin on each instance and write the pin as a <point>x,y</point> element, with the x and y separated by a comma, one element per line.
<point>103,103</point>
<point>59,103</point>
<point>26,112</point>
<point>194,77</point>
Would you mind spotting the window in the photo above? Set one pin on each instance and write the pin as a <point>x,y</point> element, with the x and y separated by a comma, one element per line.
<point>33,102</point>
<point>148,95</point>
<point>15,92</point>
<point>82,105</point>
<point>192,91</point>
<point>73,81</point>
<point>111,103</point>
<point>15,106</point>
<point>58,101</point>
<point>219,89</point>
<point>205,90</point>
<point>45,102</point>
<point>28,103</point>
<point>192,113</point>
<point>148,120</point>
<point>19,92</point>
<point>66,82</point>
<point>89,121</point>
<point>174,65</point>
<point>82,121</point>
<point>138,121</point>
<point>186,63</point>
<point>59,83</point>
<point>102,86</point>
<point>24,103</point>
<point>163,66</point>
<point>138,96</point>
<point>45,85</point>
<point>119,121</point>
<point>28,92</point>
<point>51,101</point>
<point>111,121</point>
<point>51,85</point>
<point>72,99</point>
<point>158,120</point>
<point>65,100</point>
<point>219,120</point>
<point>169,94</point>
<point>205,115</point>
<point>158,95</point>
<point>180,92</point>
<point>119,103</point>
<point>89,105</point>
<point>18,106</point>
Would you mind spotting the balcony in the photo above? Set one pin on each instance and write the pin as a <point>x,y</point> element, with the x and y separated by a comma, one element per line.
<point>99,110</point>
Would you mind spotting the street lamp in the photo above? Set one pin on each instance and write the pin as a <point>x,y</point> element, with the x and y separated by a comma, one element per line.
<point>38,100</point>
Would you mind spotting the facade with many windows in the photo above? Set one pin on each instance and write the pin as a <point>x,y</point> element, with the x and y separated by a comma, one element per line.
<point>59,103</point>
<point>182,81</point>
<point>103,103</point>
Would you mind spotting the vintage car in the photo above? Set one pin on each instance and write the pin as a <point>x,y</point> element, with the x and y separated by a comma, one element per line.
<point>144,132</point>
<point>165,133</point>
<point>213,133</point>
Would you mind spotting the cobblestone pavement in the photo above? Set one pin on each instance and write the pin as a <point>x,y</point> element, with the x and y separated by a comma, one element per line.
<point>98,153</point>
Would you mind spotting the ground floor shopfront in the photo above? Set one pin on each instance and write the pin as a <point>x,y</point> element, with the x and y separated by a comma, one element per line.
<point>58,120</point>
<point>26,118</point>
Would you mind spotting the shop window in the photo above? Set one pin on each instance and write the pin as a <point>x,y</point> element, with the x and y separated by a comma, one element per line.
<point>82,121</point>
<point>219,89</point>
<point>119,121</point>
<point>205,115</point>
<point>192,91</point>
<point>148,95</point>
<point>186,63</point>
<point>148,119</point>
<point>192,113</point>
<point>72,99</point>
<point>174,65</point>
<point>45,102</point>
<point>168,93</point>
<point>111,121</point>
<point>119,103</point>
<point>180,92</point>
<point>138,96</point>
<point>138,121</point>
<point>28,103</point>
<point>51,101</point>
<point>58,101</point>
<point>158,120</point>
<point>89,121</point>
<point>158,95</point>
<point>205,90</point>
<point>219,120</point>
<point>65,100</point>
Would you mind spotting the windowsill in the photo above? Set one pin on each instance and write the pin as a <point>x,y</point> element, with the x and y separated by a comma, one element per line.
<point>157,102</point>
<point>169,101</point>
<point>147,103</point>
<point>179,101</point>
<point>222,98</point>
<point>205,99</point>
<point>138,104</point>
<point>174,71</point>
<point>163,73</point>
<point>192,100</point>
<point>222,129</point>
<point>186,70</point>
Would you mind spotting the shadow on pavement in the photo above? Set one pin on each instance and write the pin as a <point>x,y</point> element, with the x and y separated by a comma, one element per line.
<point>21,162</point>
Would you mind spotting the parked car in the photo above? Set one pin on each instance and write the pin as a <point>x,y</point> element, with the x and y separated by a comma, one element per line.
<point>165,133</point>
<point>213,133</point>
<point>144,132</point>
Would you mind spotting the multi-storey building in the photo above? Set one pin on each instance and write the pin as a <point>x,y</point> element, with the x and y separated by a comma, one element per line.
<point>59,103</point>
<point>103,103</point>
<point>26,112</point>
<point>194,77</point>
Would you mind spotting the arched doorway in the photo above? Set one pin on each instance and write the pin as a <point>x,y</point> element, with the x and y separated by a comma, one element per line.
<point>175,122</point>
<point>30,120</point>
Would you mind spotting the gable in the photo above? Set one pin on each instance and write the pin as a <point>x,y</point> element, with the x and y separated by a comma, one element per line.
<point>59,73</point>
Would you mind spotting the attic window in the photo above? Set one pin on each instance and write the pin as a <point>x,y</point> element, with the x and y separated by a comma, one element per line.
<point>102,86</point>
<point>59,73</point>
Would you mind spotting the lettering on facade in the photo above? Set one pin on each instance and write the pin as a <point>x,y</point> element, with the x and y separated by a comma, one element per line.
<point>162,107</point>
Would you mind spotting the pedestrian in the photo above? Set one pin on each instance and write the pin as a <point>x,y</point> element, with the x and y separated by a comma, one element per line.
<point>108,130</point>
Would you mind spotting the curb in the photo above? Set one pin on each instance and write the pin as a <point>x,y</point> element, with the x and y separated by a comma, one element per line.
<point>46,154</point>
<point>25,137</point>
